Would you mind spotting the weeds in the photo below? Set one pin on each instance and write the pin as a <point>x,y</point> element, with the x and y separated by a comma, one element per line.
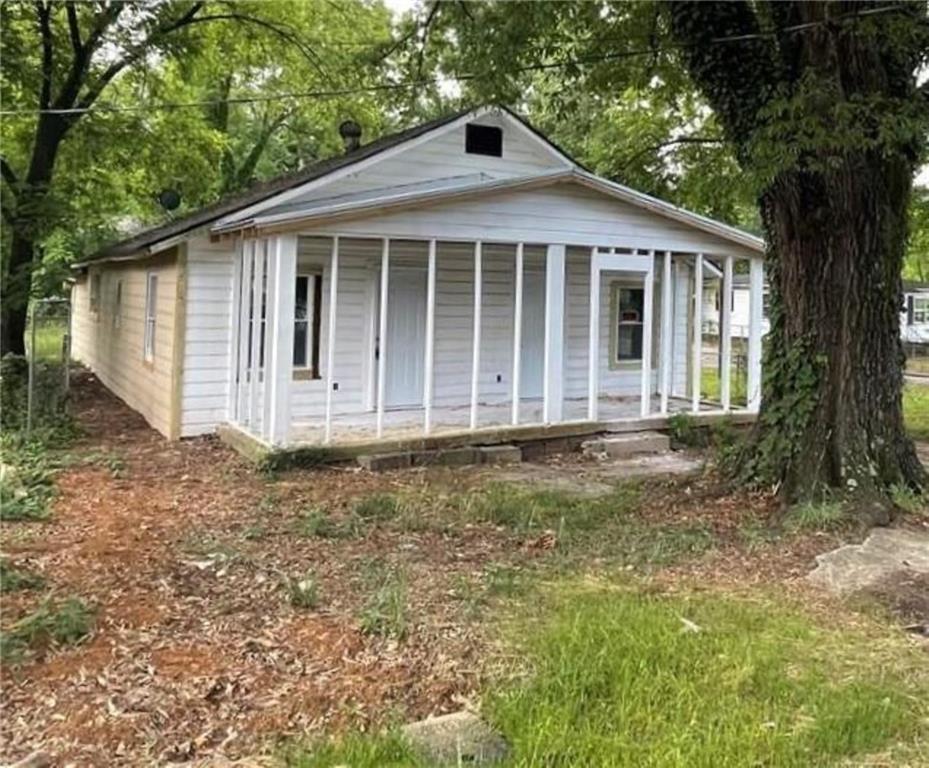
<point>13,579</point>
<point>50,625</point>
<point>26,480</point>
<point>815,516</point>
<point>384,613</point>
<point>317,523</point>
<point>909,500</point>
<point>378,507</point>
<point>303,592</point>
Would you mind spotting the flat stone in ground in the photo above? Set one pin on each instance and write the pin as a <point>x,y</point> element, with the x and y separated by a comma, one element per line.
<point>886,552</point>
<point>460,738</point>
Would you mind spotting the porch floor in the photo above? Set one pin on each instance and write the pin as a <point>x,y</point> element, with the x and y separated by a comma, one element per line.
<point>402,423</point>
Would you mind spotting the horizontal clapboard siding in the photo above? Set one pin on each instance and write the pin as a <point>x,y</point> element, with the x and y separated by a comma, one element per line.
<point>114,350</point>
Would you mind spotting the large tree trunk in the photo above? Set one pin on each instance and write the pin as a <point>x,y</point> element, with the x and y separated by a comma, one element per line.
<point>831,417</point>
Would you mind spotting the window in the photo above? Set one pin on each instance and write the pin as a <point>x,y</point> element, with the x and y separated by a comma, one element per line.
<point>95,293</point>
<point>151,306</point>
<point>483,140</point>
<point>627,310</point>
<point>118,305</point>
<point>306,323</point>
<point>920,310</point>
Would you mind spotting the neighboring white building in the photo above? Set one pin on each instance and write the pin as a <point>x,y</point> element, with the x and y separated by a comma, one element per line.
<point>914,320</point>
<point>462,278</point>
<point>740,307</point>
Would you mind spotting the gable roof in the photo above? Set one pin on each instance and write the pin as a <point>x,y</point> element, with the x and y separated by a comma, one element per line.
<point>271,198</point>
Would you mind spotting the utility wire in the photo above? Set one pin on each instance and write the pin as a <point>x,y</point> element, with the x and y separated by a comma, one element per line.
<point>460,78</point>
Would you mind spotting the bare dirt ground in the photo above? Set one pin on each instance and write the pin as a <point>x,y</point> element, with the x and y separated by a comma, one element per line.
<point>182,549</point>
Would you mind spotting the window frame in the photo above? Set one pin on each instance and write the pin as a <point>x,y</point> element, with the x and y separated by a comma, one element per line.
<point>314,280</point>
<point>920,313</point>
<point>151,317</point>
<point>477,140</point>
<point>616,288</point>
<point>96,287</point>
<point>118,305</point>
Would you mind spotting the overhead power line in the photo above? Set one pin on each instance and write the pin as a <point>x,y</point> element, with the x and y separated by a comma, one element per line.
<point>460,78</point>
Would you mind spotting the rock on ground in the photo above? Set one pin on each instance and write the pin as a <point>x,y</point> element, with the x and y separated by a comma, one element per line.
<point>886,552</point>
<point>460,738</point>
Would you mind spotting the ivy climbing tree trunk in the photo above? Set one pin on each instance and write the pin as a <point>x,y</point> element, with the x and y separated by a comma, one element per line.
<point>821,102</point>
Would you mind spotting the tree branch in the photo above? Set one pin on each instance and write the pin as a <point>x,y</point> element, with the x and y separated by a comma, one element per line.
<point>671,143</point>
<point>45,30</point>
<point>9,175</point>
<point>74,29</point>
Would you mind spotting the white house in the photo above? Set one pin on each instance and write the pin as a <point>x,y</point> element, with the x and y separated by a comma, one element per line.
<point>914,320</point>
<point>463,278</point>
<point>740,306</point>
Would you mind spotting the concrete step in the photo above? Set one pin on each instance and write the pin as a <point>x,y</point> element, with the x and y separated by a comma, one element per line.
<point>620,445</point>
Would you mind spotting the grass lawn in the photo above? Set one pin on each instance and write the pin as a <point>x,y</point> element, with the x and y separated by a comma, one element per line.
<point>711,386</point>
<point>616,676</point>
<point>916,410</point>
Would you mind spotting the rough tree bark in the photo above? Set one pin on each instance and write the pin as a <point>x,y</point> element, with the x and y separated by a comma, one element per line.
<point>834,215</point>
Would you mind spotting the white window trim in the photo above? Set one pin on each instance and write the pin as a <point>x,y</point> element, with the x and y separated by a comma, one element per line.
<point>920,307</point>
<point>615,363</point>
<point>311,343</point>
<point>151,317</point>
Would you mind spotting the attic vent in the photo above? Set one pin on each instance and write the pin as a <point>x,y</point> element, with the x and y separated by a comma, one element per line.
<point>483,140</point>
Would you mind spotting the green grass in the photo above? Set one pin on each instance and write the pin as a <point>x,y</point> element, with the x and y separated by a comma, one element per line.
<point>916,410</point>
<point>13,579</point>
<point>49,336</point>
<point>816,516</point>
<point>385,612</point>
<point>608,676</point>
<point>52,624</point>
<point>711,385</point>
<point>26,481</point>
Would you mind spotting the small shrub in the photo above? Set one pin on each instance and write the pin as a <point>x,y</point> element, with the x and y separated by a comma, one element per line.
<point>26,481</point>
<point>384,613</point>
<point>815,516</point>
<point>378,507</point>
<point>50,625</point>
<point>303,592</point>
<point>684,431</point>
<point>13,579</point>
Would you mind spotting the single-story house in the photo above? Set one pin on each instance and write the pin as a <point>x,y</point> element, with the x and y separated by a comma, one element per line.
<point>914,320</point>
<point>458,278</point>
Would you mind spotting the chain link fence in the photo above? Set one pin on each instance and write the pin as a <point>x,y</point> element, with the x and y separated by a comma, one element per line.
<point>34,389</point>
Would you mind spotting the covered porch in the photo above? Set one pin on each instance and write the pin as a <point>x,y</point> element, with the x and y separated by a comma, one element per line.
<point>340,338</point>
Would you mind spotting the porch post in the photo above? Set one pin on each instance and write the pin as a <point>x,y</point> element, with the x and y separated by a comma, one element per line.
<point>382,335</point>
<point>756,297</point>
<point>666,330</point>
<point>236,316</point>
<point>593,340</point>
<point>476,333</point>
<point>330,342</point>
<point>697,352</point>
<point>279,366</point>
<point>429,355</point>
<point>245,299</point>
<point>270,317</point>
<point>725,335</point>
<point>554,334</point>
<point>517,332</point>
<point>647,337</point>
<point>258,271</point>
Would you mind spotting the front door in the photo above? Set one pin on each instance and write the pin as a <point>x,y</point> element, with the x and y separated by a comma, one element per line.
<point>406,338</point>
<point>532,360</point>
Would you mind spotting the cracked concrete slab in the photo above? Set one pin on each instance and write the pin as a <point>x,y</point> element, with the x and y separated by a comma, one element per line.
<point>886,552</point>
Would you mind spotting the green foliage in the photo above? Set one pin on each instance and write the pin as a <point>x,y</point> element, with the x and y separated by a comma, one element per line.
<point>381,750</point>
<point>916,265</point>
<point>377,507</point>
<point>619,678</point>
<point>50,420</point>
<point>26,480</point>
<point>684,430</point>
<point>385,611</point>
<point>816,516</point>
<point>13,579</point>
<point>302,591</point>
<point>52,624</point>
<point>916,410</point>
<point>909,500</point>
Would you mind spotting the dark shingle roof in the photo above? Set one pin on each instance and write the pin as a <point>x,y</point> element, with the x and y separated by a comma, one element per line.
<point>262,191</point>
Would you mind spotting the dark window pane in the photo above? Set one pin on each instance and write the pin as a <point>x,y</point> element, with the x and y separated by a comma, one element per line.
<point>631,304</point>
<point>629,342</point>
<point>301,301</point>
<point>483,140</point>
<point>300,360</point>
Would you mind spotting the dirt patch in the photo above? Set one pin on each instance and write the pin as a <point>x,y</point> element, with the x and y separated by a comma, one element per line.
<point>185,552</point>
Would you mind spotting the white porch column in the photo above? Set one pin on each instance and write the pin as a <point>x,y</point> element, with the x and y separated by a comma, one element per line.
<point>725,335</point>
<point>382,335</point>
<point>552,384</point>
<point>255,371</point>
<point>756,316</point>
<point>647,337</point>
<point>476,332</point>
<point>280,353</point>
<point>244,340</point>
<point>330,342</point>
<point>697,352</point>
<point>593,340</point>
<point>429,352</point>
<point>666,345</point>
<point>236,316</point>
<point>517,332</point>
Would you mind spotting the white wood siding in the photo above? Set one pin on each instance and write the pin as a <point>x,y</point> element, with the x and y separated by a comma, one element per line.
<point>207,363</point>
<point>114,351</point>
